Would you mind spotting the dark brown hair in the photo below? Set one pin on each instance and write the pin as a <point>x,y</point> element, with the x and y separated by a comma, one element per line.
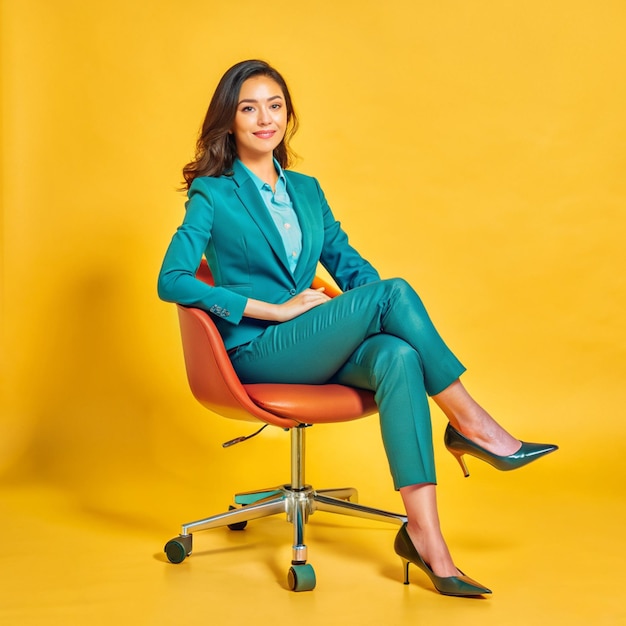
<point>216,150</point>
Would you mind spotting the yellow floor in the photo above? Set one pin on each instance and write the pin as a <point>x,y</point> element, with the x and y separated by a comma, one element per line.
<point>549,541</point>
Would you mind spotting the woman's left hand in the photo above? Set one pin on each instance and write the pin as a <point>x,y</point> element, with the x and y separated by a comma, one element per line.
<point>299,304</point>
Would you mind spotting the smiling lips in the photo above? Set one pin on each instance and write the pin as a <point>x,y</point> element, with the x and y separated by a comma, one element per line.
<point>264,134</point>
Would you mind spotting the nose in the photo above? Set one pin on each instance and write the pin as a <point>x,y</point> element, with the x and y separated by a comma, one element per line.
<point>264,117</point>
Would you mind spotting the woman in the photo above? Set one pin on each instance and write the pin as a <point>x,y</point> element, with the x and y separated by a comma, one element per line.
<point>263,230</point>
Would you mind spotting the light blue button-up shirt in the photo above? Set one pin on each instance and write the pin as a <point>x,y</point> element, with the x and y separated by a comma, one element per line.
<point>280,207</point>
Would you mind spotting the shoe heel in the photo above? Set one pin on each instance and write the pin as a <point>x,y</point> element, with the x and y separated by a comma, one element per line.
<point>405,565</point>
<point>463,465</point>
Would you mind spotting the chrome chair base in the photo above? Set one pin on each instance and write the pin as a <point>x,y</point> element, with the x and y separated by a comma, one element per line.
<point>298,501</point>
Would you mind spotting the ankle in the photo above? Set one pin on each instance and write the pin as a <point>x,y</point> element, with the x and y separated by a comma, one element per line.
<point>487,433</point>
<point>432,547</point>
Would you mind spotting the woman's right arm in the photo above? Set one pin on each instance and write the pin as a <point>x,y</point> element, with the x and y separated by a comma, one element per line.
<point>177,280</point>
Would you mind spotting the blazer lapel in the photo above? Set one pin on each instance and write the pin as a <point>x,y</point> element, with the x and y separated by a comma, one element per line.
<point>304,211</point>
<point>251,199</point>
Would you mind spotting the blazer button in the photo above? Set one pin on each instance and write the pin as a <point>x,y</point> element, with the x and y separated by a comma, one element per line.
<point>292,292</point>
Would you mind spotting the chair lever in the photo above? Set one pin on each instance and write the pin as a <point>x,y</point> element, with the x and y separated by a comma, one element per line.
<point>232,442</point>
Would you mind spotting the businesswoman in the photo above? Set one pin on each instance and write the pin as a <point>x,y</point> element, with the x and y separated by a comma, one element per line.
<point>263,230</point>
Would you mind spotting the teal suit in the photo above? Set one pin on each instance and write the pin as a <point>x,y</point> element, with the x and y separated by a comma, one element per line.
<point>376,335</point>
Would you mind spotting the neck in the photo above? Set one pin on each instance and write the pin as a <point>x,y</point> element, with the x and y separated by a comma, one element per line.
<point>263,168</point>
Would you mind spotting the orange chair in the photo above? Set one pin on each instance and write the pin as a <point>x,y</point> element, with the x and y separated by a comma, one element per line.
<point>215,385</point>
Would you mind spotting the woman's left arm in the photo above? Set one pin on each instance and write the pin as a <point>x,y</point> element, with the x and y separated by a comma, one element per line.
<point>347,267</point>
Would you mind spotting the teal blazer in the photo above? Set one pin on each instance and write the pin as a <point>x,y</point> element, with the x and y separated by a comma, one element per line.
<point>227,221</point>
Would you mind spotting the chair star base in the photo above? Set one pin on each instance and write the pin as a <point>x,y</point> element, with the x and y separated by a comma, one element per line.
<point>297,501</point>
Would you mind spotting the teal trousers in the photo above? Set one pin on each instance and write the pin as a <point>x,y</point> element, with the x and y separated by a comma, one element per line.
<point>378,337</point>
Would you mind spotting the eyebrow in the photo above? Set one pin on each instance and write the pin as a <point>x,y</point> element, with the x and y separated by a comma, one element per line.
<point>256,101</point>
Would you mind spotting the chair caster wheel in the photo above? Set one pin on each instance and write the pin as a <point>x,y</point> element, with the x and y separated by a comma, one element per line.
<point>178,549</point>
<point>237,525</point>
<point>301,577</point>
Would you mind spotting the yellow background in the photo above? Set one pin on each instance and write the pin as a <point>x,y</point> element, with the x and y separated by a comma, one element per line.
<point>475,148</point>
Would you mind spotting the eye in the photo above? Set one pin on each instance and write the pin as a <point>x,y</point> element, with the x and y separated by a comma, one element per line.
<point>276,106</point>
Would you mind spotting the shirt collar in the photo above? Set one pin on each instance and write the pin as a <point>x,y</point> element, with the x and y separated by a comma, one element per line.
<point>282,180</point>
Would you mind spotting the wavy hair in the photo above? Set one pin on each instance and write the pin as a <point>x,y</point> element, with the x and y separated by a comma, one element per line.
<point>216,150</point>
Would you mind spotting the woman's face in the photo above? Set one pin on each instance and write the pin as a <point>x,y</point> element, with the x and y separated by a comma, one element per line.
<point>260,120</point>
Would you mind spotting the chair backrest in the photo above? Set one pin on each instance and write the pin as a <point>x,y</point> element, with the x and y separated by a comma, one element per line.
<point>214,382</point>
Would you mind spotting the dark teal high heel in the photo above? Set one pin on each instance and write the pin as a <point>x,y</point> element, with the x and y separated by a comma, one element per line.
<point>458,445</point>
<point>449,586</point>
